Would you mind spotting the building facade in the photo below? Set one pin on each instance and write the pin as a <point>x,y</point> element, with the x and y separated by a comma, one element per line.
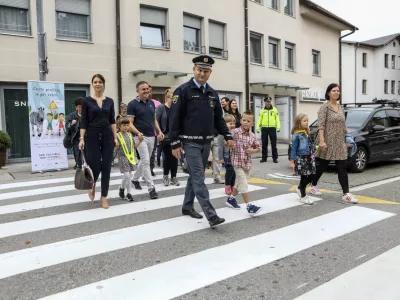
<point>371,69</point>
<point>293,52</point>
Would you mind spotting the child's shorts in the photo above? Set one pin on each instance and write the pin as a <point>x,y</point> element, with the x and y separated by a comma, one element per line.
<point>242,177</point>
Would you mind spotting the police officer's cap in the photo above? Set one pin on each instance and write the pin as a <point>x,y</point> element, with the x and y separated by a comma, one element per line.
<point>203,61</point>
<point>267,99</point>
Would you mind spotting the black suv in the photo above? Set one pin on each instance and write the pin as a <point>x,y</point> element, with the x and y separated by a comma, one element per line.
<point>375,128</point>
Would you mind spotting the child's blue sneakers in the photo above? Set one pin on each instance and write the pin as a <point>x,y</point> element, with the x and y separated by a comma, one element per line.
<point>232,203</point>
<point>253,209</point>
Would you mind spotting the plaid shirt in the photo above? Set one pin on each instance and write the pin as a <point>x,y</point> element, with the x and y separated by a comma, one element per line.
<point>242,141</point>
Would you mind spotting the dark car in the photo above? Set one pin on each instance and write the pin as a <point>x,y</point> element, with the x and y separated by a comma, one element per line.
<point>375,127</point>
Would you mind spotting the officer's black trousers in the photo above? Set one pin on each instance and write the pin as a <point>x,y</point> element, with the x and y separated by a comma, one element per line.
<point>99,148</point>
<point>271,133</point>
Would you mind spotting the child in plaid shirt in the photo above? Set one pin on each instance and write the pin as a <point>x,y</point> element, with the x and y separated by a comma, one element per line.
<point>246,144</point>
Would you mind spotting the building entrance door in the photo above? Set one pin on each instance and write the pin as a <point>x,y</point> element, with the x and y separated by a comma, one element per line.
<point>17,122</point>
<point>283,107</point>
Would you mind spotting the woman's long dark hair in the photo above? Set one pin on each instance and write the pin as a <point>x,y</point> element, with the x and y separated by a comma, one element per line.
<point>236,114</point>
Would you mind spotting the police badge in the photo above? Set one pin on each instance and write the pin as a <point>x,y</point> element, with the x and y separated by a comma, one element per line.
<point>175,99</point>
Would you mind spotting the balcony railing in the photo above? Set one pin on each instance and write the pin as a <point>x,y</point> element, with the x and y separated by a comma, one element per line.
<point>155,44</point>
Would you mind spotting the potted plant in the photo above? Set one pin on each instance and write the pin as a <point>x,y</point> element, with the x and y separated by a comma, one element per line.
<point>5,143</point>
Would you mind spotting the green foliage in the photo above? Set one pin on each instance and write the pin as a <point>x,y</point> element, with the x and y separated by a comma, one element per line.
<point>5,140</point>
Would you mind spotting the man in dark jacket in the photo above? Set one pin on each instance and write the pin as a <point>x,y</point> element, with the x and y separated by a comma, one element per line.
<point>195,113</point>
<point>73,128</point>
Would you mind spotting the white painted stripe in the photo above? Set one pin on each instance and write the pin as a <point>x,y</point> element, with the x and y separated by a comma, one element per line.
<point>288,176</point>
<point>377,279</point>
<point>183,275</point>
<point>26,260</point>
<point>64,188</point>
<point>80,198</point>
<point>14,185</point>
<point>280,177</point>
<point>374,184</point>
<point>56,221</point>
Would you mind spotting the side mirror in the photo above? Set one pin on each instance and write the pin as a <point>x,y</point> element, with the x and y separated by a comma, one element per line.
<point>378,128</point>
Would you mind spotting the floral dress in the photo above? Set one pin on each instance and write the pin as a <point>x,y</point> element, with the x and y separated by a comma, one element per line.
<point>304,165</point>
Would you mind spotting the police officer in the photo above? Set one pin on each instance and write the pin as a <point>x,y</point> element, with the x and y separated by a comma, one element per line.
<point>195,113</point>
<point>270,124</point>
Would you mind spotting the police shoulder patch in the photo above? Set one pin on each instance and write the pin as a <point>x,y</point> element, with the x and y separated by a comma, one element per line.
<point>175,99</point>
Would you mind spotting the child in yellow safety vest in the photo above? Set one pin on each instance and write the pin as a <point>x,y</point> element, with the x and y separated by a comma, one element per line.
<point>126,156</point>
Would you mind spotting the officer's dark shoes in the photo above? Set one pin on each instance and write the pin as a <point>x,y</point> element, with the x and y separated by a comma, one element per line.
<point>121,193</point>
<point>214,221</point>
<point>152,173</point>
<point>130,198</point>
<point>192,213</point>
<point>263,161</point>
<point>137,185</point>
<point>153,194</point>
<point>275,161</point>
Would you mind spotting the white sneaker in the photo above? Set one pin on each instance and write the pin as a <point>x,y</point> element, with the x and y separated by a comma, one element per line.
<point>349,198</point>
<point>315,190</point>
<point>307,200</point>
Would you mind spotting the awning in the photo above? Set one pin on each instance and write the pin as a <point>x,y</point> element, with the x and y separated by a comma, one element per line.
<point>159,73</point>
<point>280,85</point>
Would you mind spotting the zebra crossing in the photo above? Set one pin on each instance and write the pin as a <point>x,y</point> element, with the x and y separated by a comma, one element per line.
<point>56,244</point>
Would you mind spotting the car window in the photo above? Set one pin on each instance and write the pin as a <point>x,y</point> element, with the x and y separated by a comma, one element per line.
<point>380,118</point>
<point>394,117</point>
<point>356,118</point>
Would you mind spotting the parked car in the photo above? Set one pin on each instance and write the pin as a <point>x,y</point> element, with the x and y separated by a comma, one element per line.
<point>375,127</point>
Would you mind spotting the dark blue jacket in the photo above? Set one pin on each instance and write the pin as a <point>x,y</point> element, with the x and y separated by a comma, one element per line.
<point>194,115</point>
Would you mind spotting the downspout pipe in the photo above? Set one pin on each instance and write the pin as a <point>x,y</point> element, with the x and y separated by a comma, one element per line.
<point>357,45</point>
<point>246,54</point>
<point>340,56</point>
<point>118,31</point>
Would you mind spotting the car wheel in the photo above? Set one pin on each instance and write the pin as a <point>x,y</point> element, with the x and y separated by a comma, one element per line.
<point>359,160</point>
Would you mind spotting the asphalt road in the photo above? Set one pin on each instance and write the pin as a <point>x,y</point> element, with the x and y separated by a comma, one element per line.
<point>54,243</point>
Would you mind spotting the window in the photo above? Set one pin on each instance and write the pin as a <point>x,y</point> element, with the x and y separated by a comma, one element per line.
<point>380,118</point>
<point>386,87</point>
<point>316,60</point>
<point>257,1</point>
<point>394,44</point>
<point>364,87</point>
<point>217,39</point>
<point>256,48</point>
<point>73,19</point>
<point>398,62</point>
<point>274,4</point>
<point>273,52</point>
<point>398,87</point>
<point>153,27</point>
<point>386,60</point>
<point>393,87</point>
<point>192,34</point>
<point>393,61</point>
<point>289,7</point>
<point>289,56</point>
<point>394,117</point>
<point>364,60</point>
<point>15,19</point>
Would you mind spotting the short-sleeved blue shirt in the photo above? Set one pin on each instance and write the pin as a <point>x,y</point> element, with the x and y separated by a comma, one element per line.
<point>144,115</point>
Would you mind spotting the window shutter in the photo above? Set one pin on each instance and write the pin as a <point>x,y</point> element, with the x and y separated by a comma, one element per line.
<point>191,21</point>
<point>216,35</point>
<point>153,16</point>
<point>15,3</point>
<point>81,7</point>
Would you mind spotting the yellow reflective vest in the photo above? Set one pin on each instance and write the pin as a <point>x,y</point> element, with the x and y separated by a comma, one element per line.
<point>269,118</point>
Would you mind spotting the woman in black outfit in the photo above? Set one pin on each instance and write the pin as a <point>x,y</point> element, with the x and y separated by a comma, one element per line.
<point>99,135</point>
<point>170,162</point>
<point>233,110</point>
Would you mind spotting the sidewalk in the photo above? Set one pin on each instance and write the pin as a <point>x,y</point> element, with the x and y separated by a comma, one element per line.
<point>22,171</point>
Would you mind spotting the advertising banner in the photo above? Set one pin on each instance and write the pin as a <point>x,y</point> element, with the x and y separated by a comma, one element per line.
<point>47,125</point>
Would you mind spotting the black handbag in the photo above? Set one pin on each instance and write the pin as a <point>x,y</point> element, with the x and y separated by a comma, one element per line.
<point>84,179</point>
<point>67,142</point>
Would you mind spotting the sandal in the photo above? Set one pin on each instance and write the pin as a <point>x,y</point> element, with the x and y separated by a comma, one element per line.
<point>104,202</point>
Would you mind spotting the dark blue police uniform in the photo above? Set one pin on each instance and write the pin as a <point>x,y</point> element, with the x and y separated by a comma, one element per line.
<point>195,113</point>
